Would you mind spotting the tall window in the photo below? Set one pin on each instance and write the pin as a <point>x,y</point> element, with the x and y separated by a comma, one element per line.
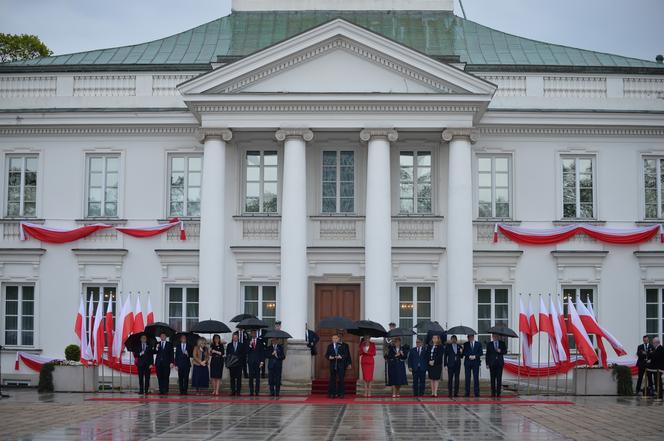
<point>653,176</point>
<point>95,292</point>
<point>184,196</point>
<point>261,301</point>
<point>493,306</point>
<point>578,187</point>
<point>493,186</point>
<point>182,307</point>
<point>103,177</point>
<point>19,315</point>
<point>22,186</point>
<point>415,182</point>
<point>655,312</point>
<point>338,182</point>
<point>261,181</point>
<point>587,295</point>
<point>414,307</point>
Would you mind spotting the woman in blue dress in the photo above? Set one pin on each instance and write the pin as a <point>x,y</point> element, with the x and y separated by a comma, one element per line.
<point>200,377</point>
<point>396,367</point>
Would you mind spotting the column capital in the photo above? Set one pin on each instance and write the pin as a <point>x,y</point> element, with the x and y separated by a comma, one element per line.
<point>470,133</point>
<point>305,134</point>
<point>224,134</point>
<point>391,134</point>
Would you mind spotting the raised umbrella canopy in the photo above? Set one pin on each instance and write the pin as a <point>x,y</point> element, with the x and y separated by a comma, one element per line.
<point>367,327</point>
<point>429,326</point>
<point>192,339</point>
<point>461,330</point>
<point>210,327</point>
<point>252,323</point>
<point>238,318</point>
<point>400,332</point>
<point>502,330</point>
<point>337,322</point>
<point>133,342</point>
<point>157,328</point>
<point>277,333</point>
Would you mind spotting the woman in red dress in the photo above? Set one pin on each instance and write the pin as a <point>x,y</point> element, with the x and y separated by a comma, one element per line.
<point>367,354</point>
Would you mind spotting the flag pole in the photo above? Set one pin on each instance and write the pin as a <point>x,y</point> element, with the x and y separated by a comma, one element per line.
<point>548,356</point>
<point>539,347</point>
<point>562,310</point>
<point>518,358</point>
<point>531,351</point>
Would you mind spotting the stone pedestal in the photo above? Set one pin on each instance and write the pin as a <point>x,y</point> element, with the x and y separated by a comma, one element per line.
<point>297,366</point>
<point>75,379</point>
<point>594,382</point>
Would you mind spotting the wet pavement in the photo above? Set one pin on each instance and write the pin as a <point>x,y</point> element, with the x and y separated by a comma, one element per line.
<point>27,415</point>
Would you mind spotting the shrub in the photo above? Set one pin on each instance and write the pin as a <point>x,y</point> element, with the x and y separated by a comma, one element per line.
<point>623,376</point>
<point>73,353</point>
<point>46,378</point>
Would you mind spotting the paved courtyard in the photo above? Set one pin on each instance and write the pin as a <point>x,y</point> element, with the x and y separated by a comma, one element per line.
<point>27,415</point>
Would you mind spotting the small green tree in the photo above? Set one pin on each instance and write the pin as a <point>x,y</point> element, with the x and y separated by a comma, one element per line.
<point>14,47</point>
<point>73,353</point>
<point>46,378</point>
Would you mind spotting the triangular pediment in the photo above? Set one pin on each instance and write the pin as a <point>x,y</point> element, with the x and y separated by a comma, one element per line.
<point>337,57</point>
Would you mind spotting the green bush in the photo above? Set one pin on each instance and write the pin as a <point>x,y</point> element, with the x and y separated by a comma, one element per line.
<point>46,378</point>
<point>73,353</point>
<point>623,376</point>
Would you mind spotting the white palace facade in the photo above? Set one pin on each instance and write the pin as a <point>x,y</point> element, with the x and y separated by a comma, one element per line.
<point>347,159</point>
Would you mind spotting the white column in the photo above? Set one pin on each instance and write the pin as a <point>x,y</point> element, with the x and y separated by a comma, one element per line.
<point>294,265</point>
<point>378,227</point>
<point>460,286</point>
<point>212,248</point>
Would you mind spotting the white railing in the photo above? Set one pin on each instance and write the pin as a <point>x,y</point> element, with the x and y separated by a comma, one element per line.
<point>192,230</point>
<point>508,85</point>
<point>337,229</point>
<point>415,228</point>
<point>104,85</point>
<point>648,88</point>
<point>27,86</point>
<point>574,87</point>
<point>165,84</point>
<point>260,228</point>
<point>11,231</point>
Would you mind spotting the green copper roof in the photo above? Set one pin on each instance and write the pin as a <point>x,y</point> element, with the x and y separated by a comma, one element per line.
<point>435,33</point>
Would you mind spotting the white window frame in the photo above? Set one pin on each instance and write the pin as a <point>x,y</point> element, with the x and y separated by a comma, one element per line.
<point>169,170</point>
<point>260,286</point>
<point>24,157</point>
<point>105,156</point>
<point>338,152</point>
<point>432,168</point>
<point>260,182</point>
<point>659,170</point>
<point>493,304</point>
<point>660,310</point>
<point>415,317</point>
<point>510,191</point>
<point>183,317</point>
<point>577,157</point>
<point>577,289</point>
<point>19,329</point>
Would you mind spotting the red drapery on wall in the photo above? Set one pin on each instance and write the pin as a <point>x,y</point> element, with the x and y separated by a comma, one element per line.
<point>533,236</point>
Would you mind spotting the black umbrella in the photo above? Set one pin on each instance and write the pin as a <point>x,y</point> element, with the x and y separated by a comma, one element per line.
<point>337,323</point>
<point>367,327</point>
<point>157,328</point>
<point>192,339</point>
<point>252,323</point>
<point>502,330</point>
<point>210,327</point>
<point>429,326</point>
<point>400,332</point>
<point>133,342</point>
<point>461,330</point>
<point>277,333</point>
<point>238,318</point>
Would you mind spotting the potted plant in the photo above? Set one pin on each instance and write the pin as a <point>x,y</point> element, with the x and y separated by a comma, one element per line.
<point>70,375</point>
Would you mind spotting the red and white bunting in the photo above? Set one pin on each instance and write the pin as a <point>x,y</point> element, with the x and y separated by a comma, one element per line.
<point>547,236</point>
<point>155,229</point>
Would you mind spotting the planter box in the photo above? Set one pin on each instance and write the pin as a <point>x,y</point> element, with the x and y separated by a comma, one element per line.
<point>75,379</point>
<point>595,382</point>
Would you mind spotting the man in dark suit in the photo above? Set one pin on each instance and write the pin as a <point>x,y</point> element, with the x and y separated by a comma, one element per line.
<point>495,352</point>
<point>255,359</point>
<point>453,356</point>
<point>657,363</point>
<point>235,348</point>
<point>276,357</point>
<point>164,363</point>
<point>312,340</point>
<point>338,355</point>
<point>183,364</point>
<point>472,353</point>
<point>417,364</point>
<point>642,352</point>
<point>144,356</point>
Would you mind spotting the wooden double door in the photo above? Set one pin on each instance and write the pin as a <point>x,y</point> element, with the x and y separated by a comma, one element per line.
<point>336,300</point>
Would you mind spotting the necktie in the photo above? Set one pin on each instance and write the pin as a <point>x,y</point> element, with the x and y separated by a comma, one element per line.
<point>143,349</point>
<point>495,344</point>
<point>184,348</point>
<point>335,350</point>
<point>454,347</point>
<point>419,351</point>
<point>162,345</point>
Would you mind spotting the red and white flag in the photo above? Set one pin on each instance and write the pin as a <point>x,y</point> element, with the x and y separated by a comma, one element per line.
<point>108,324</point>
<point>558,333</point>
<point>592,327</point>
<point>563,327</point>
<point>615,344</point>
<point>583,344</point>
<point>80,316</point>
<point>127,320</point>
<point>154,230</point>
<point>149,318</point>
<point>98,331</point>
<point>526,336</point>
<point>91,324</point>
<point>86,354</point>
<point>120,310</point>
<point>546,326</point>
<point>139,324</point>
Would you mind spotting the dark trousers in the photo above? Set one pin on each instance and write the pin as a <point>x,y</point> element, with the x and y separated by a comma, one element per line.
<point>473,369</point>
<point>274,379</point>
<point>657,383</point>
<point>453,380</point>
<point>419,382</point>
<point>254,378</point>
<point>335,387</point>
<point>183,379</point>
<point>163,373</point>
<point>143,379</point>
<point>236,380</point>
<point>496,374</point>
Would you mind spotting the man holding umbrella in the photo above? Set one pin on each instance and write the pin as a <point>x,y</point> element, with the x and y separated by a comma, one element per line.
<point>495,351</point>
<point>164,362</point>
<point>275,363</point>
<point>143,354</point>
<point>255,361</point>
<point>472,353</point>
<point>339,356</point>
<point>183,363</point>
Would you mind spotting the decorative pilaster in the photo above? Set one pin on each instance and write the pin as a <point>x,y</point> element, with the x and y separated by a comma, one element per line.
<point>294,267</point>
<point>212,238</point>
<point>378,226</point>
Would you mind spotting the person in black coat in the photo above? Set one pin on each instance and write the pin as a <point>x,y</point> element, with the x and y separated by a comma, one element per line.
<point>495,352</point>
<point>472,353</point>
<point>183,364</point>
<point>642,353</point>
<point>338,355</point>
<point>453,356</point>
<point>275,361</point>
<point>144,356</point>
<point>255,359</point>
<point>312,340</point>
<point>417,364</point>
<point>164,362</point>
<point>435,355</point>
<point>235,351</point>
<point>657,363</point>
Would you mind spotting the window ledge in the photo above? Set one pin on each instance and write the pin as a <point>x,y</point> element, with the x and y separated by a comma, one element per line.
<point>31,349</point>
<point>497,220</point>
<point>183,219</point>
<point>649,222</point>
<point>22,219</point>
<point>323,216</point>
<point>94,220</point>
<point>418,216</point>
<point>562,222</point>
<point>257,216</point>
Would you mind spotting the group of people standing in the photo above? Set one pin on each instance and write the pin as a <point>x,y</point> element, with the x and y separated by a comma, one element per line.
<point>650,362</point>
<point>205,362</point>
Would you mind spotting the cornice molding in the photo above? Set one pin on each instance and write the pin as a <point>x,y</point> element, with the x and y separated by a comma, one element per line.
<point>165,130</point>
<point>585,131</point>
<point>449,134</point>
<point>282,134</point>
<point>203,133</point>
<point>333,108</point>
<point>391,134</point>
